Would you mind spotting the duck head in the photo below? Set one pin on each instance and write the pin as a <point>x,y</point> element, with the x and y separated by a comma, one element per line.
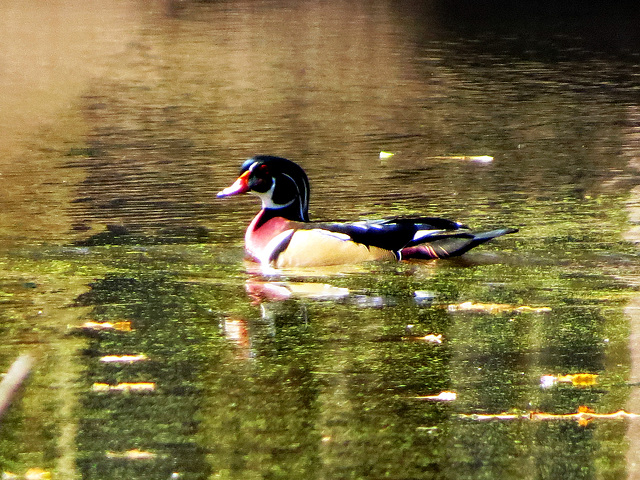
<point>281,184</point>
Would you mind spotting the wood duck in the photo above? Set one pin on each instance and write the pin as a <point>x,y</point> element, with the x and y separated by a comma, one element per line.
<point>282,236</point>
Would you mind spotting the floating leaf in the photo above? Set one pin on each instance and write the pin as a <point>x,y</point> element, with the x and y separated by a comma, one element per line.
<point>576,379</point>
<point>122,326</point>
<point>584,421</point>
<point>585,409</point>
<point>37,474</point>
<point>134,454</point>
<point>580,379</point>
<point>123,358</point>
<point>125,387</point>
<point>31,474</point>
<point>583,416</point>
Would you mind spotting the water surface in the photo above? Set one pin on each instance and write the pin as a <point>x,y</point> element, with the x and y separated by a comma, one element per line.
<point>110,217</point>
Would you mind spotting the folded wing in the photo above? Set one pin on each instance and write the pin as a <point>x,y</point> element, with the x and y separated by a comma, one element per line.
<point>421,237</point>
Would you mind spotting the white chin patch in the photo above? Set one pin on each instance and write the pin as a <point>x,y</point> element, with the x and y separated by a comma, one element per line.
<point>267,198</point>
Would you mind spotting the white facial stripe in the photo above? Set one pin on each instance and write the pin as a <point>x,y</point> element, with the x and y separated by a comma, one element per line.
<point>303,195</point>
<point>267,198</point>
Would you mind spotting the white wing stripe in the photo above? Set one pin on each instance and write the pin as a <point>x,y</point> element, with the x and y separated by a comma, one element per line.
<point>422,234</point>
<point>338,235</point>
<point>274,243</point>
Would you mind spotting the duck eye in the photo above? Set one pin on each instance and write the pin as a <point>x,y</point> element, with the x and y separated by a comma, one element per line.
<point>261,171</point>
<point>260,180</point>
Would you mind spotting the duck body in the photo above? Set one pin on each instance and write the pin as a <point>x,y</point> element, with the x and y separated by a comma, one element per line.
<point>283,243</point>
<point>282,236</point>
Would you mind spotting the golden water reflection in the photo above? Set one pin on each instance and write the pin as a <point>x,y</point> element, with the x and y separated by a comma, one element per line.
<point>51,52</point>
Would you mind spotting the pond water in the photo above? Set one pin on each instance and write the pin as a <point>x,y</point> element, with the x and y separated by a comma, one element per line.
<point>159,353</point>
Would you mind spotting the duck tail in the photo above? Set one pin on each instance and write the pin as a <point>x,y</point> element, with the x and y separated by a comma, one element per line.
<point>486,236</point>
<point>452,246</point>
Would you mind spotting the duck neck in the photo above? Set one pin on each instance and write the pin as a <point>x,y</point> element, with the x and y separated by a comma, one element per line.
<point>293,212</point>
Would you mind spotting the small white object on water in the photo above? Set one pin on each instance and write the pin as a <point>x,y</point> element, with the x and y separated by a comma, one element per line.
<point>469,158</point>
<point>123,358</point>
<point>547,381</point>
<point>424,297</point>
<point>482,158</point>
<point>445,396</point>
<point>385,155</point>
<point>431,338</point>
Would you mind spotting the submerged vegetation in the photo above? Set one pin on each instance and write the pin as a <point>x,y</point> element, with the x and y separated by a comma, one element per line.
<point>205,378</point>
